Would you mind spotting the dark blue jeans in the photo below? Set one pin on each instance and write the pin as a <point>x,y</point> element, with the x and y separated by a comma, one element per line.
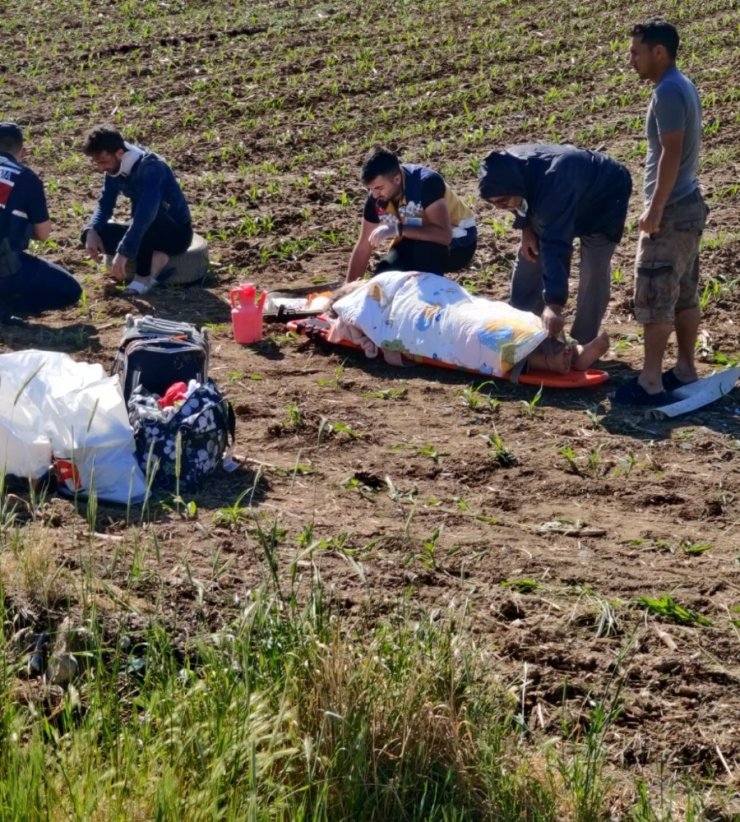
<point>163,234</point>
<point>432,258</point>
<point>38,286</point>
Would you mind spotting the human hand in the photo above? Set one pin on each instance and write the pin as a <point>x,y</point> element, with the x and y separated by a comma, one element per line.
<point>530,245</point>
<point>385,231</point>
<point>94,245</point>
<point>650,219</point>
<point>118,268</point>
<point>552,320</point>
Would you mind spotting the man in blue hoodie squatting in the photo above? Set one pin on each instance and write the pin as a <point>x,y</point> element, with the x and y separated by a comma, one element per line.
<point>28,284</point>
<point>160,223</point>
<point>558,193</point>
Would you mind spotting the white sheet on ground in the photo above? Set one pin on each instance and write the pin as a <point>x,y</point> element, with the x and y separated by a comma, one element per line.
<point>697,394</point>
<point>52,407</point>
<point>430,316</point>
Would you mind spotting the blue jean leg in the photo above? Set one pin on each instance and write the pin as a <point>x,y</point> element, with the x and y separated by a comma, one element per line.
<point>526,285</point>
<point>594,286</point>
<point>38,286</point>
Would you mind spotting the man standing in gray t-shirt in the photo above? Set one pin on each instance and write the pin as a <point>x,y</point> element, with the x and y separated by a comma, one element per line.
<point>667,264</point>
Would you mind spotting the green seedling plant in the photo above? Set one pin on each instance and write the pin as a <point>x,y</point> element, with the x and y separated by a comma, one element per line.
<point>334,428</point>
<point>595,416</point>
<point>695,548</point>
<point>398,495</point>
<point>476,399</point>
<point>531,407</point>
<point>386,394</point>
<point>668,608</point>
<point>431,451</point>
<point>427,553</point>
<point>503,456</point>
<point>294,416</point>
<point>234,514</point>
<point>569,455</point>
<point>625,465</point>
<point>336,382</point>
<point>594,457</point>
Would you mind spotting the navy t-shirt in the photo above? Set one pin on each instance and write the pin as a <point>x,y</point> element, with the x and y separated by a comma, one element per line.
<point>22,202</point>
<point>421,188</point>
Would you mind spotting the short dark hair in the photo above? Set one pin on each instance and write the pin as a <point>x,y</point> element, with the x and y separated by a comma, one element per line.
<point>11,138</point>
<point>103,138</point>
<point>379,161</point>
<point>658,32</point>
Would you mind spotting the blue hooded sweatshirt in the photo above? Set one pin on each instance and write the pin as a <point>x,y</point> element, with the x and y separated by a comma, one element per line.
<point>570,193</point>
<point>152,188</point>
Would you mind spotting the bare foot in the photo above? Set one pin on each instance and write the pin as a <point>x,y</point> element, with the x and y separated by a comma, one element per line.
<point>586,355</point>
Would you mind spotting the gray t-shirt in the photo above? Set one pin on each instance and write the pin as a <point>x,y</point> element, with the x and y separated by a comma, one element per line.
<point>674,106</point>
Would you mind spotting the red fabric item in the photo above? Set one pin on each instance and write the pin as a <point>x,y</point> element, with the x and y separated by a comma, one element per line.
<point>174,393</point>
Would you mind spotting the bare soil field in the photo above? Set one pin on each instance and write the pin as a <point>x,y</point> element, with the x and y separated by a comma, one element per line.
<point>556,520</point>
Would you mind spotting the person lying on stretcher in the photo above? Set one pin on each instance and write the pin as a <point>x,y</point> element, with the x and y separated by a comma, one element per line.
<point>425,315</point>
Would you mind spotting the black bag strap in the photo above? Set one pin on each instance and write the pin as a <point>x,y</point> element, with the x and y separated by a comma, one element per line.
<point>230,421</point>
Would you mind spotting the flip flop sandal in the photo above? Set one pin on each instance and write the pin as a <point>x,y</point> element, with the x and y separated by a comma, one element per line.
<point>632,393</point>
<point>136,289</point>
<point>671,382</point>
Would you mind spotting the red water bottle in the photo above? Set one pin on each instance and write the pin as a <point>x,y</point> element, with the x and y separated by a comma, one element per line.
<point>246,313</point>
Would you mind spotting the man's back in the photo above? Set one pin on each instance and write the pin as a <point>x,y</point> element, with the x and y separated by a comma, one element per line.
<point>22,202</point>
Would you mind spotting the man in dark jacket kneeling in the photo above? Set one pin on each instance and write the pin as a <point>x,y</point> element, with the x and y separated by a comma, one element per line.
<point>28,284</point>
<point>559,193</point>
<point>160,217</point>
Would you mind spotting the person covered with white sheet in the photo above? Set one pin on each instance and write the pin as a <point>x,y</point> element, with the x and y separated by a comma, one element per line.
<point>419,314</point>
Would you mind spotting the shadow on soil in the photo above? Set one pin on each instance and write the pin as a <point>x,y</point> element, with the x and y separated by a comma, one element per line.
<point>67,339</point>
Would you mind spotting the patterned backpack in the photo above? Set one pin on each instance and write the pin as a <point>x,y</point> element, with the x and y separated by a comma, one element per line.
<point>178,447</point>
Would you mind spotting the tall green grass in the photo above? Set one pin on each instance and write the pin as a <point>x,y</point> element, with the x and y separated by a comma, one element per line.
<point>291,713</point>
<point>296,711</point>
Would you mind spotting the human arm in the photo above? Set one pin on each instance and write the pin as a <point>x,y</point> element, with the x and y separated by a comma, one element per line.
<point>552,319</point>
<point>94,245</point>
<point>35,207</point>
<point>555,251</point>
<point>105,205</point>
<point>151,174</point>
<point>671,144</point>
<point>361,253</point>
<point>41,231</point>
<point>118,267</point>
<point>436,226</point>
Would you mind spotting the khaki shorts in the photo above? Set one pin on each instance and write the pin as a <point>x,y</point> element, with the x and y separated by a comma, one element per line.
<point>667,266</point>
